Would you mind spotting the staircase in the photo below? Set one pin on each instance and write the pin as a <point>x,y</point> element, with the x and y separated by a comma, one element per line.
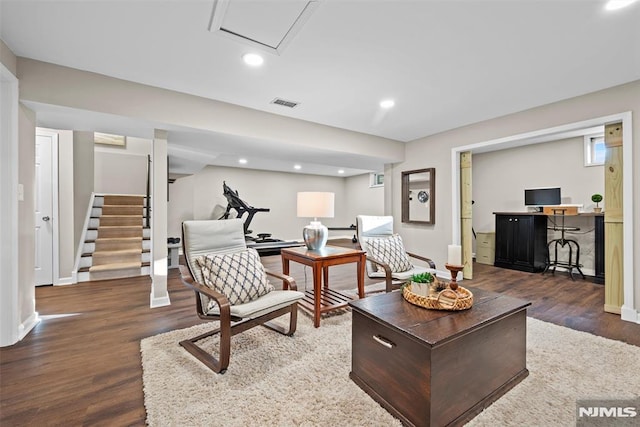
<point>117,244</point>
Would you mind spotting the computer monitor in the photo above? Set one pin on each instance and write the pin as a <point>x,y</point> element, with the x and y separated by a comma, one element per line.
<point>542,196</point>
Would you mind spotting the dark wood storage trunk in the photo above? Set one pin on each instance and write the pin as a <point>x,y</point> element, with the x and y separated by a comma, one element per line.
<point>437,368</point>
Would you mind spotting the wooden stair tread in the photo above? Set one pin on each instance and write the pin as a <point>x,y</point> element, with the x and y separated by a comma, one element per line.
<point>115,266</point>
<point>125,199</point>
<point>119,252</point>
<point>88,254</point>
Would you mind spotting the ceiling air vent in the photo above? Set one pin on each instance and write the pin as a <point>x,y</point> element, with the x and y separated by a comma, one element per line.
<point>285,103</point>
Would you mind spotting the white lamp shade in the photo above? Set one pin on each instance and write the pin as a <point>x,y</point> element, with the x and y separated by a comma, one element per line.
<point>315,204</point>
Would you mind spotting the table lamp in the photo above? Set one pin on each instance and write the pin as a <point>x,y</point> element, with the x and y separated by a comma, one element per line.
<point>315,204</point>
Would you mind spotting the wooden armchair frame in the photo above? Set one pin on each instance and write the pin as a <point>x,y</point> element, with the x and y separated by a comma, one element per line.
<point>231,325</point>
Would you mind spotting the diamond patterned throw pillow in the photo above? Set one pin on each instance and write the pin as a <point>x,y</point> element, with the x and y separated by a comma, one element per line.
<point>390,250</point>
<point>240,276</point>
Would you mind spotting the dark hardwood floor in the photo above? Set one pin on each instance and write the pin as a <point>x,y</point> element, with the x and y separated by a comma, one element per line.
<point>81,364</point>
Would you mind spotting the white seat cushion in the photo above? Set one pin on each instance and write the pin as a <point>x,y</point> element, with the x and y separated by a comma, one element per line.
<point>405,275</point>
<point>265,304</point>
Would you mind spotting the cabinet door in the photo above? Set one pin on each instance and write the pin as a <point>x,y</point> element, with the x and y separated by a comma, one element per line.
<point>523,241</point>
<point>504,240</point>
<point>599,248</point>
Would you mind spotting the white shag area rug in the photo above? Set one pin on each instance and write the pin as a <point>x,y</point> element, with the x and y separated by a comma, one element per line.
<point>274,380</point>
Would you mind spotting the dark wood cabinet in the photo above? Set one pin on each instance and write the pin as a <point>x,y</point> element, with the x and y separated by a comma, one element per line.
<point>599,249</point>
<point>521,241</point>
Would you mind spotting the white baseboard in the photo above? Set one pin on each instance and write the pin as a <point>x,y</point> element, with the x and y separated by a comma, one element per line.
<point>159,302</point>
<point>26,326</point>
<point>65,280</point>
<point>630,315</point>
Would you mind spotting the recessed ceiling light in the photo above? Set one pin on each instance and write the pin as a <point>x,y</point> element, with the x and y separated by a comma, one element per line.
<point>252,59</point>
<point>387,103</point>
<point>242,161</point>
<point>341,171</point>
<point>297,167</point>
<point>618,4</point>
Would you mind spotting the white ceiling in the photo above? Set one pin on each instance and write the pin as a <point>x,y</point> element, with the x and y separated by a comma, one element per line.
<point>445,63</point>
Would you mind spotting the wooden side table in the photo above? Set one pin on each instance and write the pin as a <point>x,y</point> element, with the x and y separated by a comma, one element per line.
<point>323,299</point>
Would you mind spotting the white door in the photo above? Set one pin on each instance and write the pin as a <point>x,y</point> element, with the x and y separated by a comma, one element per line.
<point>44,210</point>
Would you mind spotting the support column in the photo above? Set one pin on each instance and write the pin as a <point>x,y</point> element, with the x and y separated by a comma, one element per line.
<point>466,216</point>
<point>613,219</point>
<point>159,180</point>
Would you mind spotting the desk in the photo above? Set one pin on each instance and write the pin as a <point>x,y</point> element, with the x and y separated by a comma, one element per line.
<point>522,238</point>
<point>323,299</point>
<point>434,367</point>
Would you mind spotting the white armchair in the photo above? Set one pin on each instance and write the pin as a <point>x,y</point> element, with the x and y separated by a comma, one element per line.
<point>386,256</point>
<point>231,286</point>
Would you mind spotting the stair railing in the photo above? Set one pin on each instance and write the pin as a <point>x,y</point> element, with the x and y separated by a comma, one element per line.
<point>148,196</point>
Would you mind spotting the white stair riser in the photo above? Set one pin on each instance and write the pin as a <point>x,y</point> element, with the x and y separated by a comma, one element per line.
<point>85,276</point>
<point>89,248</point>
<point>98,201</point>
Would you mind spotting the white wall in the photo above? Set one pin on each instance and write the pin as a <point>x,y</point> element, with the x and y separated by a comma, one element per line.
<point>122,170</point>
<point>500,177</point>
<point>362,199</point>
<point>436,151</point>
<point>550,164</point>
<point>82,184</point>
<point>195,197</point>
<point>180,205</point>
<point>26,209</point>
<point>274,190</point>
<point>10,322</point>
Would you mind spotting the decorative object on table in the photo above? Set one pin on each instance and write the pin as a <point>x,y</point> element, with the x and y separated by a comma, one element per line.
<point>454,269</point>
<point>421,283</point>
<point>454,264</point>
<point>315,204</point>
<point>597,198</point>
<point>447,299</point>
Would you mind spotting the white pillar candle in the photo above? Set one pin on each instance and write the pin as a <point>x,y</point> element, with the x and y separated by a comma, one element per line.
<point>454,255</point>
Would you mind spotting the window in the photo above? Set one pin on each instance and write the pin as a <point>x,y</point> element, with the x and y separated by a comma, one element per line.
<point>376,180</point>
<point>594,150</point>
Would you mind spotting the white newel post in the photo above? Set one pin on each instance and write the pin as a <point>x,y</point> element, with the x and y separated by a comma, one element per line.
<point>159,179</point>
